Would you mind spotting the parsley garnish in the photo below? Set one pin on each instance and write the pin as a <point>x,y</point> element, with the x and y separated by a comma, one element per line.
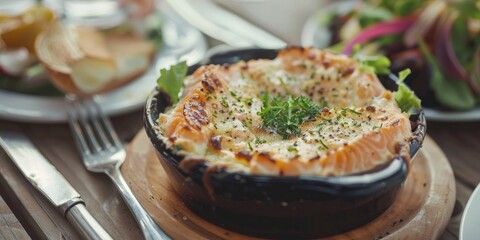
<point>171,80</point>
<point>248,101</point>
<point>324,145</point>
<point>292,149</point>
<point>224,102</point>
<point>259,141</point>
<point>250,146</point>
<point>353,111</point>
<point>285,115</point>
<point>234,95</point>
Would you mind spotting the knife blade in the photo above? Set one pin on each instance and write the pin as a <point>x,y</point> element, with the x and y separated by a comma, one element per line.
<point>224,25</point>
<point>51,183</point>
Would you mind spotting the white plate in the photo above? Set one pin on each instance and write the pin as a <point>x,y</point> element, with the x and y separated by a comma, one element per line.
<point>469,226</point>
<point>453,116</point>
<point>182,42</point>
<point>316,35</point>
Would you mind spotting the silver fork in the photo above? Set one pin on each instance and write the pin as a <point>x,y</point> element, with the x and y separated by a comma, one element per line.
<point>103,152</point>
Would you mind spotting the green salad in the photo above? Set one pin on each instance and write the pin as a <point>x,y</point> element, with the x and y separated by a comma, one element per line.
<point>438,40</point>
<point>32,82</point>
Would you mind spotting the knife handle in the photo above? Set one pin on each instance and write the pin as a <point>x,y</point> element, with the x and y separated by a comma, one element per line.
<point>85,224</point>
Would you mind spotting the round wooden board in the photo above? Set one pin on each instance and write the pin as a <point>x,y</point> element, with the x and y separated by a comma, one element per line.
<point>421,211</point>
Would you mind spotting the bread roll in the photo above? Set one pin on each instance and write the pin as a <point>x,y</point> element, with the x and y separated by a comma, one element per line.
<point>84,61</point>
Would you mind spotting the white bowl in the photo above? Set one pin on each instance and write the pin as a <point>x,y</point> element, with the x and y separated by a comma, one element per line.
<point>469,229</point>
<point>282,18</point>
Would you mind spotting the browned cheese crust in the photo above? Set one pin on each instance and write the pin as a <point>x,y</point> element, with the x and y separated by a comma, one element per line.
<point>216,120</point>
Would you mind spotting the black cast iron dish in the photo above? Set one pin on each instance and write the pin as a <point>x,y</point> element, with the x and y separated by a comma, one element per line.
<point>281,206</point>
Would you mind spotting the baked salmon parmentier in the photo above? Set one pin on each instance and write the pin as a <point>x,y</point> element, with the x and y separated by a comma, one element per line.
<point>242,117</point>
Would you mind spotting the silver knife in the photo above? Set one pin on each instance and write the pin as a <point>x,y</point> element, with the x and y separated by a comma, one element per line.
<point>224,25</point>
<point>51,183</point>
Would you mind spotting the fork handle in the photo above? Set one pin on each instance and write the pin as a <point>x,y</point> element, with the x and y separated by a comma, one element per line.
<point>150,229</point>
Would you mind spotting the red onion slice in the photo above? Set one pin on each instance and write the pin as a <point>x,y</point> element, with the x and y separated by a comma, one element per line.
<point>395,26</point>
<point>424,23</point>
<point>444,52</point>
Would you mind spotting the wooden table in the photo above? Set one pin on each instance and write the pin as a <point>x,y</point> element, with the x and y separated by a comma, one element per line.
<point>25,213</point>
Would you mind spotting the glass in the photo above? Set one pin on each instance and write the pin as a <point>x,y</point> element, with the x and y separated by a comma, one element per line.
<point>101,14</point>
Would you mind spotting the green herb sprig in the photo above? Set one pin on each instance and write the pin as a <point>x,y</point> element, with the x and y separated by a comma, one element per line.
<point>171,80</point>
<point>285,115</point>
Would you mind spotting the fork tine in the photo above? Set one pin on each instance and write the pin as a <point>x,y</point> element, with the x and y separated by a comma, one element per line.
<point>85,127</point>
<point>76,128</point>
<point>95,118</point>
<point>108,125</point>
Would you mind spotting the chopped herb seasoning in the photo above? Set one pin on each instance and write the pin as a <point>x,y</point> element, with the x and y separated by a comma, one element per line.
<point>178,147</point>
<point>259,141</point>
<point>248,101</point>
<point>324,145</point>
<point>234,95</point>
<point>292,149</point>
<point>285,115</point>
<point>250,146</point>
<point>354,112</point>
<point>283,83</point>
<point>224,102</point>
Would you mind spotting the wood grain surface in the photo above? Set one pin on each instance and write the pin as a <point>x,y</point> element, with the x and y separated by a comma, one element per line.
<point>459,142</point>
<point>422,209</point>
<point>10,227</point>
<point>39,218</point>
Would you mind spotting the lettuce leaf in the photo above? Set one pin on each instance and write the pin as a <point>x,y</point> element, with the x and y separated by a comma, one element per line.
<point>404,96</point>
<point>452,93</point>
<point>171,80</point>
<point>378,64</point>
